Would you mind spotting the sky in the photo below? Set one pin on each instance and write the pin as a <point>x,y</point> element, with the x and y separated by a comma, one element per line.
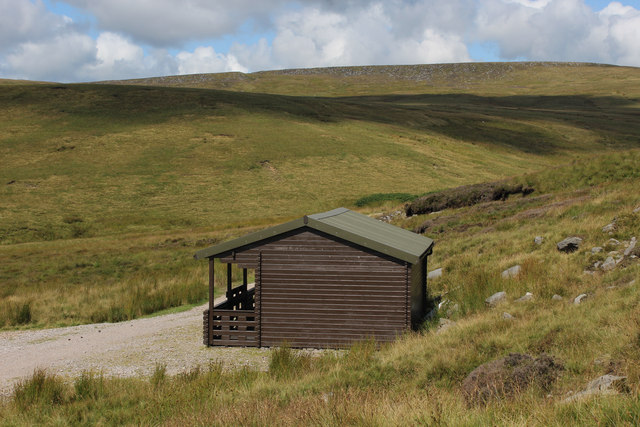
<point>92,40</point>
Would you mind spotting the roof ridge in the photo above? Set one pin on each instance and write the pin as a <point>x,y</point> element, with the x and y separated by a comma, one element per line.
<point>328,214</point>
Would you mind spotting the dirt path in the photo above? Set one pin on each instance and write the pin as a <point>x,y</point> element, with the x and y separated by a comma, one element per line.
<point>118,349</point>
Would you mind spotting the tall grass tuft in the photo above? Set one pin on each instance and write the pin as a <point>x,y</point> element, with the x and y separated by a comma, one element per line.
<point>285,362</point>
<point>88,386</point>
<point>41,388</point>
<point>189,375</point>
<point>361,353</point>
<point>15,314</point>
<point>23,314</point>
<point>159,375</point>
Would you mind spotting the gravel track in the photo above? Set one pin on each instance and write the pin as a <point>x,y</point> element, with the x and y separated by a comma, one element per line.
<point>124,349</point>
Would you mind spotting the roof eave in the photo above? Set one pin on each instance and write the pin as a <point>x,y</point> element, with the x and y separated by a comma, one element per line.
<point>257,236</point>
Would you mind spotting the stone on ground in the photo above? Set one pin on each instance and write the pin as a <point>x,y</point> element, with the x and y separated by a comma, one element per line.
<point>511,272</point>
<point>570,244</point>
<point>435,274</point>
<point>580,298</point>
<point>606,384</point>
<point>496,298</point>
<point>526,297</point>
<point>631,247</point>
<point>609,228</point>
<point>444,324</point>
<point>608,264</point>
<point>557,297</point>
<point>538,240</point>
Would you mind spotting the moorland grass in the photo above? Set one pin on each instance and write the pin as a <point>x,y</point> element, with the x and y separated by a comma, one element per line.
<point>108,190</point>
<point>417,379</point>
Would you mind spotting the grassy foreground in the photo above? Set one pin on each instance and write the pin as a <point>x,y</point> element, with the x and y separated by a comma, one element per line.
<point>416,380</point>
<point>106,190</point>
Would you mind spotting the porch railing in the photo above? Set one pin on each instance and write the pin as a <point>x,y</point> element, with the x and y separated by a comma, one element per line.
<point>234,322</point>
<point>234,328</point>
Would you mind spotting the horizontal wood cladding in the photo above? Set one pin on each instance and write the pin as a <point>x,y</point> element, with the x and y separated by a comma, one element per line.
<point>319,291</point>
<point>303,243</point>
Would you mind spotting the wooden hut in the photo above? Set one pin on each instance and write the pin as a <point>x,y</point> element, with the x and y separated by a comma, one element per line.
<point>324,280</point>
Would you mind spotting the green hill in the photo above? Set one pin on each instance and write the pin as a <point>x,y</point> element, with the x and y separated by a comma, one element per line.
<point>418,380</point>
<point>107,189</point>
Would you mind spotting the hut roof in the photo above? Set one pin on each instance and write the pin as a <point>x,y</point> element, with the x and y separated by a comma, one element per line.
<point>344,224</point>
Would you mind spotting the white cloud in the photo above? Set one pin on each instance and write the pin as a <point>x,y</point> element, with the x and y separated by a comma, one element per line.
<point>206,60</point>
<point>621,34</point>
<point>561,30</point>
<point>313,37</point>
<point>435,47</point>
<point>118,58</point>
<point>22,21</point>
<point>134,37</point>
<point>56,59</point>
<point>170,23</point>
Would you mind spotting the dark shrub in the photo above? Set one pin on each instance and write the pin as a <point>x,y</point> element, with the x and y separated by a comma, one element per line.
<point>508,376</point>
<point>467,195</point>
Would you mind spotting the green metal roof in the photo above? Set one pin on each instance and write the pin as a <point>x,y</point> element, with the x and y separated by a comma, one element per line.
<point>344,224</point>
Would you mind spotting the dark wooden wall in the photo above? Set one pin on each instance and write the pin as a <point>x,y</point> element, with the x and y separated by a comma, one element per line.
<point>418,280</point>
<point>316,290</point>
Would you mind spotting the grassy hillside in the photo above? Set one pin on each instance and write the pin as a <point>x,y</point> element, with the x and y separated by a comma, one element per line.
<point>108,189</point>
<point>417,380</point>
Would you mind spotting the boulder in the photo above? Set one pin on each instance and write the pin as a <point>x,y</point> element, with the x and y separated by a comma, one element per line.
<point>557,297</point>
<point>496,298</point>
<point>538,240</point>
<point>577,300</point>
<point>608,264</point>
<point>526,297</point>
<point>637,210</point>
<point>596,249</point>
<point>508,376</point>
<point>606,384</point>
<point>435,274</point>
<point>511,272</point>
<point>609,228</point>
<point>507,316</point>
<point>570,244</point>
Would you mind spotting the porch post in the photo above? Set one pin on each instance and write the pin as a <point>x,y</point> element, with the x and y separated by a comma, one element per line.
<point>245,294</point>
<point>229,280</point>
<point>211,284</point>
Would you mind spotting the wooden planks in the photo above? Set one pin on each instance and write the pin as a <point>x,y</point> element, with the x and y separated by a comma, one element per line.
<point>321,292</point>
<point>234,328</point>
<point>316,290</point>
